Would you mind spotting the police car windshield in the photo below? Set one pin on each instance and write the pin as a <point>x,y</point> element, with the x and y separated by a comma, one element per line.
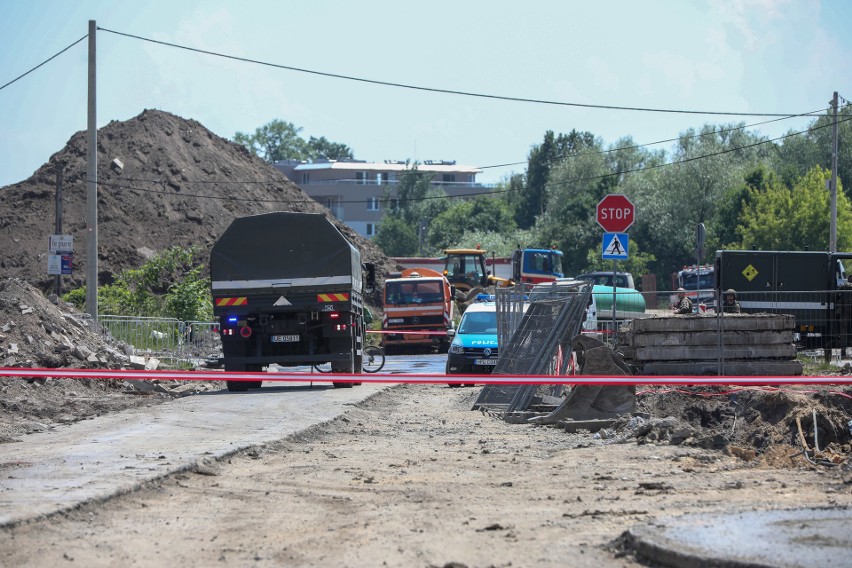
<point>479,323</point>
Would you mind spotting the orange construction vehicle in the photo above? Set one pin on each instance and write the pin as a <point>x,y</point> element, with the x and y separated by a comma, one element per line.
<point>419,300</point>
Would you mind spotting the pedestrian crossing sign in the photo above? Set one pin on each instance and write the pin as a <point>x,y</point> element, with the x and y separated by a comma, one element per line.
<point>615,246</point>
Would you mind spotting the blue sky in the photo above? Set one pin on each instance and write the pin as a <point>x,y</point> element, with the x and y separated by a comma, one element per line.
<point>757,56</point>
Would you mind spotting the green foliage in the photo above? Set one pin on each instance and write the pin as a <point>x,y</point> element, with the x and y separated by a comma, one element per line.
<point>280,140</point>
<point>569,221</point>
<point>799,154</point>
<point>500,244</point>
<point>396,237</point>
<point>780,218</point>
<point>168,285</point>
<point>483,214</point>
<point>189,299</point>
<point>672,201</point>
<point>531,201</point>
<point>322,148</point>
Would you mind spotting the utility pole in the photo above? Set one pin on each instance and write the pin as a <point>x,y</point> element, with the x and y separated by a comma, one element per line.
<point>832,243</point>
<point>58,227</point>
<point>92,184</point>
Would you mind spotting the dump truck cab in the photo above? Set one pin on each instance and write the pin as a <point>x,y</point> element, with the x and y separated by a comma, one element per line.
<point>418,300</point>
<point>534,266</point>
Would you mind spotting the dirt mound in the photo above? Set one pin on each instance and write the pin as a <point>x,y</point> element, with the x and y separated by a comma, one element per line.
<point>749,423</point>
<point>179,184</point>
<point>45,332</point>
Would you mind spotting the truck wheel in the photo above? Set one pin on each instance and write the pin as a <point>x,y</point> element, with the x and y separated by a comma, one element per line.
<point>243,386</point>
<point>341,385</point>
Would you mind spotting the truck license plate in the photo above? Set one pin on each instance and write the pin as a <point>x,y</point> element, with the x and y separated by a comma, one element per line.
<point>285,338</point>
<point>485,362</point>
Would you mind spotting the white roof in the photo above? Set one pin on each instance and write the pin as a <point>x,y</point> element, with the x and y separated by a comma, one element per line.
<point>386,167</point>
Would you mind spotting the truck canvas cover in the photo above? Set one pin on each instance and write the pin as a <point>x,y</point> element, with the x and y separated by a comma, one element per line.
<point>277,250</point>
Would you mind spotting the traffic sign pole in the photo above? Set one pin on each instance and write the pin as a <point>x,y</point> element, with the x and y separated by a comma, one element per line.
<point>615,214</point>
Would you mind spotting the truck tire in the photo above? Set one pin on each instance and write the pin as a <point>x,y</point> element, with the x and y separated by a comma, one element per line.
<point>243,386</point>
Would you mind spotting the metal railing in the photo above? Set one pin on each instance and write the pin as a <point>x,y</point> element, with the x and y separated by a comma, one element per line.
<point>164,338</point>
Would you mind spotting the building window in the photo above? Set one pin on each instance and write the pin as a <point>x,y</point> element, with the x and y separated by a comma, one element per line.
<point>450,178</point>
<point>306,178</point>
<point>372,204</point>
<point>371,229</point>
<point>360,177</point>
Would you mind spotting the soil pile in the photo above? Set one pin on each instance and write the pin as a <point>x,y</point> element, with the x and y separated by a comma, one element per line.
<point>163,181</point>
<point>45,332</point>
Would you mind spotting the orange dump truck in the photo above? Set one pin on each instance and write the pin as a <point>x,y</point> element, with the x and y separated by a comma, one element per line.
<point>419,300</point>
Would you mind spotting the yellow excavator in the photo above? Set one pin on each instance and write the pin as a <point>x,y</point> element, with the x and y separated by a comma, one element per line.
<point>465,269</point>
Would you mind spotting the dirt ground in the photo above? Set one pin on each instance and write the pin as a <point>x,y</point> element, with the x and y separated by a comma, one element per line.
<point>413,477</point>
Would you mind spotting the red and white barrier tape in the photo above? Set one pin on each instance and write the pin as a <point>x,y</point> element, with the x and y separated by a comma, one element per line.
<point>406,332</point>
<point>417,378</point>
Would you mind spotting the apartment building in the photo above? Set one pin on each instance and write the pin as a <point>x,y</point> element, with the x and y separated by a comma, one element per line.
<point>354,190</point>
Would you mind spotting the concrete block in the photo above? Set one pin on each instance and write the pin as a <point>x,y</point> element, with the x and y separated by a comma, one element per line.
<point>703,353</point>
<point>730,322</point>
<point>708,338</point>
<point>710,368</point>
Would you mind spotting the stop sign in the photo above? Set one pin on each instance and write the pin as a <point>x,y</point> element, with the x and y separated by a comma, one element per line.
<point>615,213</point>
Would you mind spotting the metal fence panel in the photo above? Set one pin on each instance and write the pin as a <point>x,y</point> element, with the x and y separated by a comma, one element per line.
<point>163,338</point>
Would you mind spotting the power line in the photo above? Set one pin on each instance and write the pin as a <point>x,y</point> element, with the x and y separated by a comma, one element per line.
<point>439,90</point>
<point>694,158</point>
<point>635,146</point>
<point>43,62</point>
<point>432,197</point>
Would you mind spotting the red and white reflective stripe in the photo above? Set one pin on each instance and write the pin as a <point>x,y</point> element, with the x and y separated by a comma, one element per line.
<point>437,378</point>
<point>406,332</point>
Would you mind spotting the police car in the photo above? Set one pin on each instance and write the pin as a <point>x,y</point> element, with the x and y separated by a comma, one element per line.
<point>474,346</point>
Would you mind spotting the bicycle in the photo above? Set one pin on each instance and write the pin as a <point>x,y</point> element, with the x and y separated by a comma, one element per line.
<point>372,360</point>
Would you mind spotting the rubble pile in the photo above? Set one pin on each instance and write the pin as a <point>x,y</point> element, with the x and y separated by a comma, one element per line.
<point>36,331</point>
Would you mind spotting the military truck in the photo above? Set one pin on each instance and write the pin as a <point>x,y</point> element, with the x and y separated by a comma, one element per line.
<point>287,290</point>
<point>806,284</point>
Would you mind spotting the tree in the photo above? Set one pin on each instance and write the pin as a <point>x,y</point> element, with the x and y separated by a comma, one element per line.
<point>483,214</point>
<point>672,201</point>
<point>573,190</point>
<point>396,237</point>
<point>280,140</point>
<point>781,218</point>
<point>323,148</point>
<point>531,201</point>
<point>732,203</point>
<point>798,154</point>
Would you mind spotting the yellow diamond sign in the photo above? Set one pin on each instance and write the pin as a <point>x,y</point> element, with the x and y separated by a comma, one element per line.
<point>750,272</point>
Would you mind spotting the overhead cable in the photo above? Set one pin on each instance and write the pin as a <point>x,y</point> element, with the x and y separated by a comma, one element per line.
<point>636,146</point>
<point>43,62</point>
<point>431,197</point>
<point>438,90</point>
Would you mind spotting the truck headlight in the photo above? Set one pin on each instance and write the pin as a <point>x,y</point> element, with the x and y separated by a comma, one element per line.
<point>456,348</point>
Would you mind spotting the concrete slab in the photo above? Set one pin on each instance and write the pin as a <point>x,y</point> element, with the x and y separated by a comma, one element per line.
<point>730,322</point>
<point>710,338</point>
<point>732,368</point>
<point>799,538</point>
<point>92,460</point>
